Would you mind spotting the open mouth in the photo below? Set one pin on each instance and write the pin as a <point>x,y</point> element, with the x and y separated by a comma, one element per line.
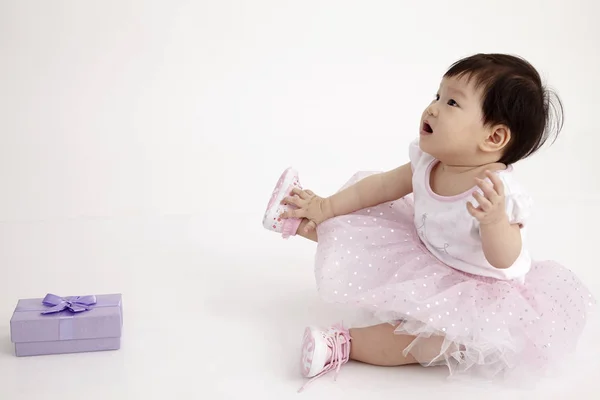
<point>427,128</point>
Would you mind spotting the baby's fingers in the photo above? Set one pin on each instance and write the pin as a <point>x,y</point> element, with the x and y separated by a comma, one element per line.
<point>488,190</point>
<point>497,182</point>
<point>484,203</point>
<point>299,192</point>
<point>297,213</point>
<point>295,200</point>
<point>310,226</point>
<point>475,212</point>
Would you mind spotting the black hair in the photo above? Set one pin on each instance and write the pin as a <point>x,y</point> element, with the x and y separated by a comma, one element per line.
<point>515,96</point>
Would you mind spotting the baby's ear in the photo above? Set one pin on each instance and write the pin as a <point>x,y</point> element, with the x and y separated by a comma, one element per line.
<point>497,139</point>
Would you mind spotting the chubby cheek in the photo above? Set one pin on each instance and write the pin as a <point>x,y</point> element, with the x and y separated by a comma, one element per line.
<point>470,125</point>
<point>457,132</point>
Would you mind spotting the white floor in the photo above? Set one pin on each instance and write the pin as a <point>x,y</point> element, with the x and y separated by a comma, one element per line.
<point>203,320</point>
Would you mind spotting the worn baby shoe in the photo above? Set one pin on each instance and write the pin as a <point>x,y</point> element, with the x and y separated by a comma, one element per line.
<point>271,220</point>
<point>324,351</point>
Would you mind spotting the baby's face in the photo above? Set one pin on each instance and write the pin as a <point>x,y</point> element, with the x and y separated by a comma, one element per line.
<point>452,125</point>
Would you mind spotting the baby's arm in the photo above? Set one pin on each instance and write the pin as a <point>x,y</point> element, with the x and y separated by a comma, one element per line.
<point>371,191</point>
<point>501,240</point>
<point>501,243</point>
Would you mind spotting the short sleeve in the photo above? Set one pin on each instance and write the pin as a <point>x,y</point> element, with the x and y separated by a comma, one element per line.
<point>518,203</point>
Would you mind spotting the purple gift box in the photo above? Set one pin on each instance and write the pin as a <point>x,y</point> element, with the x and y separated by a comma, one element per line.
<point>76,324</point>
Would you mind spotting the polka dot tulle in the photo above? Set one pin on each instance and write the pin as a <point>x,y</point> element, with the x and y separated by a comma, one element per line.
<point>374,260</point>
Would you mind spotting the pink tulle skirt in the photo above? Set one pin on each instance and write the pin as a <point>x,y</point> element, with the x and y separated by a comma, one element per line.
<point>374,260</point>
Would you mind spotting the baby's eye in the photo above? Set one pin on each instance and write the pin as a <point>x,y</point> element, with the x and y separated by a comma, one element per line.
<point>437,97</point>
<point>452,103</point>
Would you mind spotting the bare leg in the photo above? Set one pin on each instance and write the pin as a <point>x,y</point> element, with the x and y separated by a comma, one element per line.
<point>312,235</point>
<point>378,345</point>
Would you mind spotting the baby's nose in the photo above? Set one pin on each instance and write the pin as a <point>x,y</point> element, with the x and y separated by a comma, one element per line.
<point>432,110</point>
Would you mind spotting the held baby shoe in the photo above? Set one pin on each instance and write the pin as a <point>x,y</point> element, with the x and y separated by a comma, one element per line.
<point>271,220</point>
<point>324,351</point>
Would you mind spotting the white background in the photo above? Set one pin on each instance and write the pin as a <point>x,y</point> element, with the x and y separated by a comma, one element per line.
<point>126,165</point>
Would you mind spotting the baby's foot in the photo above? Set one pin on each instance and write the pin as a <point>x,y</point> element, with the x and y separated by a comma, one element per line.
<point>271,220</point>
<point>324,351</point>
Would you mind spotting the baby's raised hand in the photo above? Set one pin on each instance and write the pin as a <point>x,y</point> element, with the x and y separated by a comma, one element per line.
<point>491,207</point>
<point>309,206</point>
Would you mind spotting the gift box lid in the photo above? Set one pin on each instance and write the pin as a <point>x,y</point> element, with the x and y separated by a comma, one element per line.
<point>77,317</point>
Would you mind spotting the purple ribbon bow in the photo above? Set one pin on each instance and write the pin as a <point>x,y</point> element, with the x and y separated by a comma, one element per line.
<point>74,304</point>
